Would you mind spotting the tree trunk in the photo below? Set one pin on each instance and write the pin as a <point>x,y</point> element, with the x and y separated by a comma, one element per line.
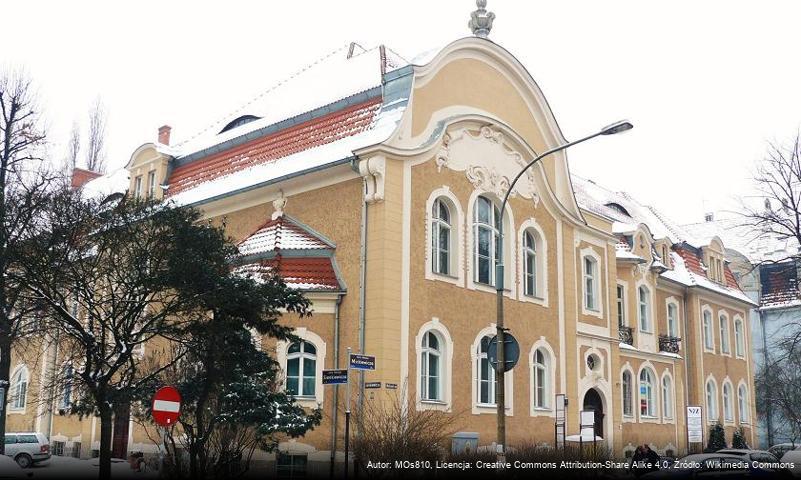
<point>105,440</point>
<point>5,372</point>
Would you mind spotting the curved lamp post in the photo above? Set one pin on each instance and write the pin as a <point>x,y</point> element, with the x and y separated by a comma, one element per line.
<point>500,393</point>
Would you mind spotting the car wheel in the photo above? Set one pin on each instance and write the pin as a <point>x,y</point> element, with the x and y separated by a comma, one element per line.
<point>24,460</point>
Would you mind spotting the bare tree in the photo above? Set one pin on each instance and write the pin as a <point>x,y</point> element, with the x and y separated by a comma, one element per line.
<point>73,149</point>
<point>778,385</point>
<point>23,183</point>
<point>96,138</point>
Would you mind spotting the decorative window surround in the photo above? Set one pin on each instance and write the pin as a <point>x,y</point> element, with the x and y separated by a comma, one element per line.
<point>447,367</point>
<point>490,408</point>
<point>550,378</point>
<point>598,308</point>
<point>541,264</point>
<point>457,254</point>
<point>281,355</point>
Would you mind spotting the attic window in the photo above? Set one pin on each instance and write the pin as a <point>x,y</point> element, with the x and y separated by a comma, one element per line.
<point>618,207</point>
<point>238,122</point>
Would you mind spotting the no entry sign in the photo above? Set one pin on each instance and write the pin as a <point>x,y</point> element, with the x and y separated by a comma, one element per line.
<point>166,406</point>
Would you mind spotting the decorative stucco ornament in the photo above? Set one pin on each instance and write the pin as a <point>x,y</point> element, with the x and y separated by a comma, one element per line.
<point>481,20</point>
<point>443,154</point>
<point>278,206</point>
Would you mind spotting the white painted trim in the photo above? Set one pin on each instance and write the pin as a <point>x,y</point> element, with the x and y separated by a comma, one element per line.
<point>747,421</point>
<point>15,410</point>
<point>598,311</point>
<point>547,411</point>
<point>743,337</point>
<point>708,411</point>
<point>457,256</point>
<point>669,375</point>
<point>656,387</point>
<point>633,394</point>
<point>406,280</point>
<point>306,335</point>
<point>560,273</point>
<point>707,349</point>
<point>447,367</point>
<point>541,249</point>
<point>509,246</point>
<point>675,302</point>
<point>488,408</point>
<point>724,314</point>
<point>732,401</point>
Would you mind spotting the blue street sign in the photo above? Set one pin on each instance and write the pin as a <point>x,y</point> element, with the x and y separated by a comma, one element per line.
<point>511,351</point>
<point>335,377</point>
<point>362,362</point>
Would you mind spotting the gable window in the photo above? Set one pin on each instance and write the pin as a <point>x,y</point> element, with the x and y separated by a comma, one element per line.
<point>591,283</point>
<point>541,381</point>
<point>138,186</point>
<point>742,403</point>
<point>530,264</point>
<point>431,371</point>
<point>644,311</point>
<point>709,343</point>
<point>724,334</point>
<point>621,306</point>
<point>19,388</point>
<point>647,400</point>
<point>728,413</point>
<point>673,320</point>
<point>667,398</point>
<point>151,184</point>
<point>627,393</point>
<point>441,238</point>
<point>711,401</point>
<point>739,341</point>
<point>486,374</point>
<point>486,238</point>
<point>301,369</point>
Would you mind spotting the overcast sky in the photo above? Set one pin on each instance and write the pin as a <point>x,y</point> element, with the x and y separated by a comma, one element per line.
<point>707,84</point>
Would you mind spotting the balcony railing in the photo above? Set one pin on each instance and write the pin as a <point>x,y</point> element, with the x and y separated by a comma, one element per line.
<point>625,334</point>
<point>669,344</point>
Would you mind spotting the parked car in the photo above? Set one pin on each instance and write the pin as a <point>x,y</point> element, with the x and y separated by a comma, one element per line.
<point>9,470</point>
<point>781,448</point>
<point>27,448</point>
<point>761,457</point>
<point>715,465</point>
<point>794,456</point>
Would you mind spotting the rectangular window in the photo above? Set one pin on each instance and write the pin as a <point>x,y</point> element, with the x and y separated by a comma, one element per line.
<point>151,184</point>
<point>138,186</point>
<point>589,284</point>
<point>291,466</point>
<point>621,306</point>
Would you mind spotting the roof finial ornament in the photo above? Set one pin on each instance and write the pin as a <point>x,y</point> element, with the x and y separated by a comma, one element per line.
<point>481,20</point>
<point>278,205</point>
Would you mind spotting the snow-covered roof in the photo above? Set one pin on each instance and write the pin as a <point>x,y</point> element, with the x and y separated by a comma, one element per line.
<point>116,181</point>
<point>755,245</point>
<point>689,271</point>
<point>283,233</point>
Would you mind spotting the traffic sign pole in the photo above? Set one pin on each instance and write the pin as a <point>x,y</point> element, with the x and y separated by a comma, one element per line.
<point>347,418</point>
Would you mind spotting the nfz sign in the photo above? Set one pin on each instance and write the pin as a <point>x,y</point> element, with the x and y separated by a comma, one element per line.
<point>362,362</point>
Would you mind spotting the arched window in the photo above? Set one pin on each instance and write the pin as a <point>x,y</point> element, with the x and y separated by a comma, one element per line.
<point>591,283</point>
<point>301,369</point>
<point>644,310</point>
<point>486,238</point>
<point>667,397</point>
<point>441,250</point>
<point>711,401</point>
<point>709,343</point>
<point>647,400</point>
<point>486,374</point>
<point>742,403</point>
<point>530,269</point>
<point>627,393</point>
<point>739,340</point>
<point>724,334</point>
<point>541,382</point>
<point>19,388</point>
<point>672,320</point>
<point>66,389</point>
<point>431,371</point>
<point>728,412</point>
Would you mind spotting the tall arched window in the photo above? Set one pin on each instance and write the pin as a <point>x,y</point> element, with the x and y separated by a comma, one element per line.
<point>486,374</point>
<point>627,393</point>
<point>301,369</point>
<point>66,389</point>
<point>673,320</point>
<point>742,403</point>
<point>19,388</point>
<point>591,283</point>
<point>724,334</point>
<point>711,401</point>
<point>739,340</point>
<point>486,237</point>
<point>431,371</point>
<point>728,412</point>
<point>541,382</point>
<point>441,237</point>
<point>530,264</point>
<point>708,340</point>
<point>647,400</point>
<point>644,310</point>
<point>667,397</point>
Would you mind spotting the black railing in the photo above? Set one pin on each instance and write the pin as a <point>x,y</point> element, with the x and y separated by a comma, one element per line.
<point>625,334</point>
<point>669,344</point>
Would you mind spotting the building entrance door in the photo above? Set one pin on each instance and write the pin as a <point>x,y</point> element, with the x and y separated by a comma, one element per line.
<point>592,401</point>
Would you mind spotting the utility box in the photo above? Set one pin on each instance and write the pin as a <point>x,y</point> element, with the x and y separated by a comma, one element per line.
<point>464,443</point>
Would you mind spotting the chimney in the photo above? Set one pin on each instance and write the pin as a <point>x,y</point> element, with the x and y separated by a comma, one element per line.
<point>164,134</point>
<point>81,177</point>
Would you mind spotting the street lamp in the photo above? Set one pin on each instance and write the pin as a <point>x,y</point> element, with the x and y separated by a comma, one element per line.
<point>500,366</point>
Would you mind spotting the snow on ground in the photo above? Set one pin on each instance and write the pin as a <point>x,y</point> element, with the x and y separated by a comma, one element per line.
<point>69,467</point>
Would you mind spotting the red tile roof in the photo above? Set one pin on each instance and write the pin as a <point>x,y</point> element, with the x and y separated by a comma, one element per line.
<point>692,260</point>
<point>81,176</point>
<point>282,233</point>
<point>302,273</point>
<point>313,133</point>
<point>779,284</point>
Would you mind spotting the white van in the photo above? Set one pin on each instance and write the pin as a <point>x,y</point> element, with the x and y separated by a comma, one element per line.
<point>27,448</point>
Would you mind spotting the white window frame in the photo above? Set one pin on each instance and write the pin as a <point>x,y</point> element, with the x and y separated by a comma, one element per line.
<point>446,365</point>
<point>428,352</point>
<point>739,337</point>
<point>633,392</point>
<point>711,400</point>
<point>20,375</point>
<point>743,404</point>
<point>728,407</point>
<point>708,329</point>
<point>620,302</point>
<point>456,274</point>
<point>550,378</point>
<point>309,336</point>
<point>488,408</point>
<point>667,398</point>
<point>648,304</point>
<point>540,296</point>
<point>67,383</point>
<point>725,332</point>
<point>597,309</point>
<point>151,184</point>
<point>652,407</point>
<point>672,302</point>
<point>509,247</point>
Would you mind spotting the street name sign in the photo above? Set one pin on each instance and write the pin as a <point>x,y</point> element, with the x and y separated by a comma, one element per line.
<point>166,406</point>
<point>362,362</point>
<point>391,386</point>
<point>372,385</point>
<point>335,377</point>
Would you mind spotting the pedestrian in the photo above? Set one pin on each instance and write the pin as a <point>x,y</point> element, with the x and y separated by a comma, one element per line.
<point>644,460</point>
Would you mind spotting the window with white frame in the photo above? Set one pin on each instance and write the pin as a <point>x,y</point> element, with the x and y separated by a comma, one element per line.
<point>65,400</point>
<point>151,184</point>
<point>739,339</point>
<point>644,310</point>
<point>486,374</point>
<point>709,343</point>
<point>541,379</point>
<point>441,239</point>
<point>19,388</point>
<point>431,367</point>
<point>486,240</point>
<point>724,333</point>
<point>591,283</point>
<point>711,401</point>
<point>530,264</point>
<point>672,319</point>
<point>621,306</point>
<point>742,403</point>
<point>626,386</point>
<point>667,397</point>
<point>728,412</point>
<point>647,397</point>
<point>301,369</point>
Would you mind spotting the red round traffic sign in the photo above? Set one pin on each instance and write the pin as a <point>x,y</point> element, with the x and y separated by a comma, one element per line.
<point>166,406</point>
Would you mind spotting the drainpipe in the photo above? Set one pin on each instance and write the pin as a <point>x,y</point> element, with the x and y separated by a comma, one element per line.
<point>53,361</point>
<point>686,358</point>
<point>769,410</point>
<point>362,296</point>
<point>334,413</point>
